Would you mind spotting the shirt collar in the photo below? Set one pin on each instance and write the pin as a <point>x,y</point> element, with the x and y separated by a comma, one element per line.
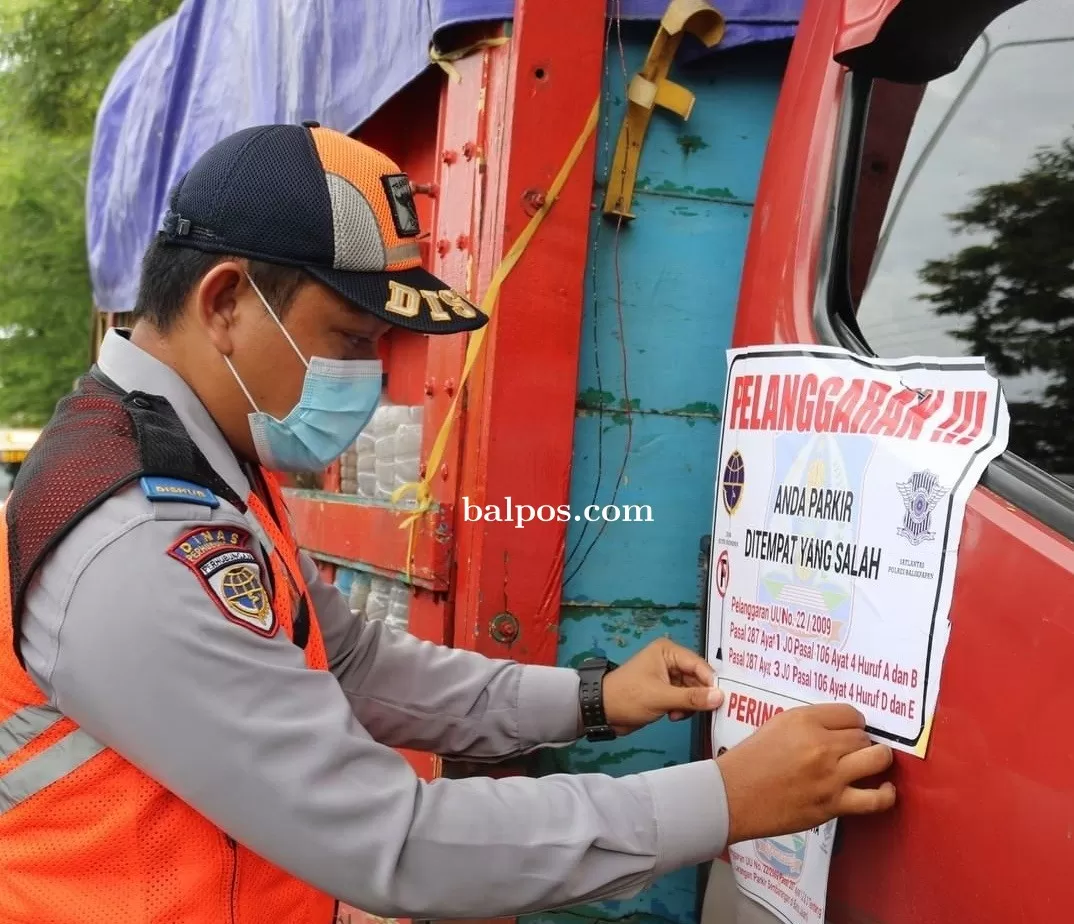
<point>133,369</point>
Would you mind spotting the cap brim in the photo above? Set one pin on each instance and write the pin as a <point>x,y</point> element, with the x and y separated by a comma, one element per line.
<point>413,310</point>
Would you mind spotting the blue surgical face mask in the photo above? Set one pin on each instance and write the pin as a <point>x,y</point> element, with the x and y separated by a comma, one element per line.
<point>338,399</point>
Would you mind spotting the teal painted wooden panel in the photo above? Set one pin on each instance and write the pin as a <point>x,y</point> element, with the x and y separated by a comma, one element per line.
<point>677,310</point>
<point>668,472</point>
<point>663,295</point>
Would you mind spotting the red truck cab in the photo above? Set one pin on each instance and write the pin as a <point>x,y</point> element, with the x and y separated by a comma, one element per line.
<point>917,198</point>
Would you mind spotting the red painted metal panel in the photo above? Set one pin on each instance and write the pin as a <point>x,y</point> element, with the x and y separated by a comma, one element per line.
<point>342,527</point>
<point>519,429</point>
<point>982,830</point>
<point>860,21</point>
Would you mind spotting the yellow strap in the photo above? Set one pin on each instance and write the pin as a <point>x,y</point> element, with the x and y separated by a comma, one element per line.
<point>444,58</point>
<point>473,349</point>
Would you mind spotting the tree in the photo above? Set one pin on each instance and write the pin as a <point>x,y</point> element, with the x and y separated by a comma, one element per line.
<point>64,53</point>
<point>45,299</point>
<point>58,56</point>
<point>1016,294</point>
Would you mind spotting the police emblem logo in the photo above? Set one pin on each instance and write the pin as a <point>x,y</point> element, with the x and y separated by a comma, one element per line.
<point>921,492</point>
<point>227,569</point>
<point>401,199</point>
<point>733,482</point>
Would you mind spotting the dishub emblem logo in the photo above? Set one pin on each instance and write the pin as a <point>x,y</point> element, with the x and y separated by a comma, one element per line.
<point>733,482</point>
<point>920,494</point>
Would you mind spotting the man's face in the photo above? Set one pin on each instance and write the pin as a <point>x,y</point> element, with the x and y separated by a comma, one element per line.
<point>319,322</point>
<point>233,322</point>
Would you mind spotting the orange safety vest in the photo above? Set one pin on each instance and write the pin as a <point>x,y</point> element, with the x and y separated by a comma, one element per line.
<point>86,837</point>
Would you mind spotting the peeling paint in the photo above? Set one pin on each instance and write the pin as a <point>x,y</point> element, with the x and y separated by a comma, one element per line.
<point>691,143</point>
<point>594,398</point>
<point>584,606</point>
<point>633,602</point>
<point>600,761</point>
<point>593,402</point>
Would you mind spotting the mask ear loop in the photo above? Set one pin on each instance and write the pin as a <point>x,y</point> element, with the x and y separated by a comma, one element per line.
<point>242,385</point>
<point>279,323</point>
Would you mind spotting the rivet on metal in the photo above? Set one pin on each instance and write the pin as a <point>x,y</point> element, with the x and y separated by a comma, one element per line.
<point>443,472</point>
<point>504,628</point>
<point>449,387</point>
<point>449,157</point>
<point>532,201</point>
<point>443,246</point>
<point>430,386</point>
<point>469,150</point>
<point>462,242</point>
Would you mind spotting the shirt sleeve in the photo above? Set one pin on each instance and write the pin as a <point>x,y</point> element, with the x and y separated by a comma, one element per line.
<point>231,721</point>
<point>411,693</point>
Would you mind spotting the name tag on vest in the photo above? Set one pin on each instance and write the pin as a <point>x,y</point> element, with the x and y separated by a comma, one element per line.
<point>172,489</point>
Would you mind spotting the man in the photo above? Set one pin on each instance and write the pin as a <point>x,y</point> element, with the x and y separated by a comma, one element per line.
<point>194,728</point>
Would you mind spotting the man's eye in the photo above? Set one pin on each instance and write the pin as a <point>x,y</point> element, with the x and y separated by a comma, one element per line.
<point>358,341</point>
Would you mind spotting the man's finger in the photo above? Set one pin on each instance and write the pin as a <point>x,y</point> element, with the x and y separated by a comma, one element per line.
<point>865,762</point>
<point>854,801</point>
<point>837,715</point>
<point>849,740</point>
<point>691,699</point>
<point>689,664</point>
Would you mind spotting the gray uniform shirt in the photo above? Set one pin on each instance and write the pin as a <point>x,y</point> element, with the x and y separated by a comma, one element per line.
<point>298,765</point>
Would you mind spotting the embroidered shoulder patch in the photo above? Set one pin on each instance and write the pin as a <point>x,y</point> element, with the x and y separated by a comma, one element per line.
<point>229,572</point>
<point>172,489</point>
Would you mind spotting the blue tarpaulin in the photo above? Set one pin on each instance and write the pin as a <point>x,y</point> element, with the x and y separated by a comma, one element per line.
<point>220,65</point>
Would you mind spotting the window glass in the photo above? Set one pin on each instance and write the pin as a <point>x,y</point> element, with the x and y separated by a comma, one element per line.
<point>963,234</point>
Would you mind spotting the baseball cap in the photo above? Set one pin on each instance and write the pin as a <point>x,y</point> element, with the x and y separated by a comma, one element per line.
<point>308,196</point>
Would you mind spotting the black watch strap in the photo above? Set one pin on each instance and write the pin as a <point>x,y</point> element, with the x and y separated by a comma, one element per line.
<point>591,698</point>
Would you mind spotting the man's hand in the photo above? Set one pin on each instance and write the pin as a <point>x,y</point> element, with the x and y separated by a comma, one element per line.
<point>795,772</point>
<point>662,679</point>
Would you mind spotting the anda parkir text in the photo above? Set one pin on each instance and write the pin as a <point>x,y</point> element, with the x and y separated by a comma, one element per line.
<point>811,552</point>
<point>809,404</point>
<point>808,551</point>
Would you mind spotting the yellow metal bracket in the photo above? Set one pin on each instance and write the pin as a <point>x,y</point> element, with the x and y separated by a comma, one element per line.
<point>650,87</point>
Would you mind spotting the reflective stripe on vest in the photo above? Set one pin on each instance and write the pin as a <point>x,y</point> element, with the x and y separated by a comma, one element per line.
<point>44,769</point>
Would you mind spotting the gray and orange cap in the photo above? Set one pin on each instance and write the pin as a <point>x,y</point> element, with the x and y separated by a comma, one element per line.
<point>307,196</point>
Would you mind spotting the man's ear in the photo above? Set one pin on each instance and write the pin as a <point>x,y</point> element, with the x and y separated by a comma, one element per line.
<point>217,301</point>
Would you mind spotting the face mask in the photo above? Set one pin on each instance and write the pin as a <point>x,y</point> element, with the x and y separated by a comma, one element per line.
<point>337,401</point>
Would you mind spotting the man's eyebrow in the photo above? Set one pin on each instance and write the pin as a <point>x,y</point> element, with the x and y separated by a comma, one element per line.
<point>355,312</point>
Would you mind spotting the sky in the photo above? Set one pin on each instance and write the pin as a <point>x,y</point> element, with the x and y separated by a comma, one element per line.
<point>1022,99</point>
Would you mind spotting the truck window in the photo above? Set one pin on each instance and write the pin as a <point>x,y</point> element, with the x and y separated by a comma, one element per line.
<point>962,232</point>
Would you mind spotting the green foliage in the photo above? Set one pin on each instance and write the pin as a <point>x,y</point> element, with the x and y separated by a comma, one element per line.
<point>59,56</point>
<point>1015,293</point>
<point>65,52</point>
<point>45,300</point>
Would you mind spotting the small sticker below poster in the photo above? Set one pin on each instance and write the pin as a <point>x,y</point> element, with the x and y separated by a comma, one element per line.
<point>788,875</point>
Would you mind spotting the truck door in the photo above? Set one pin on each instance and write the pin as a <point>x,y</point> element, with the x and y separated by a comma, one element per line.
<point>910,206</point>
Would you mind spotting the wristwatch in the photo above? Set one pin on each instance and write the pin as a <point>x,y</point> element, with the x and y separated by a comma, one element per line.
<point>591,698</point>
